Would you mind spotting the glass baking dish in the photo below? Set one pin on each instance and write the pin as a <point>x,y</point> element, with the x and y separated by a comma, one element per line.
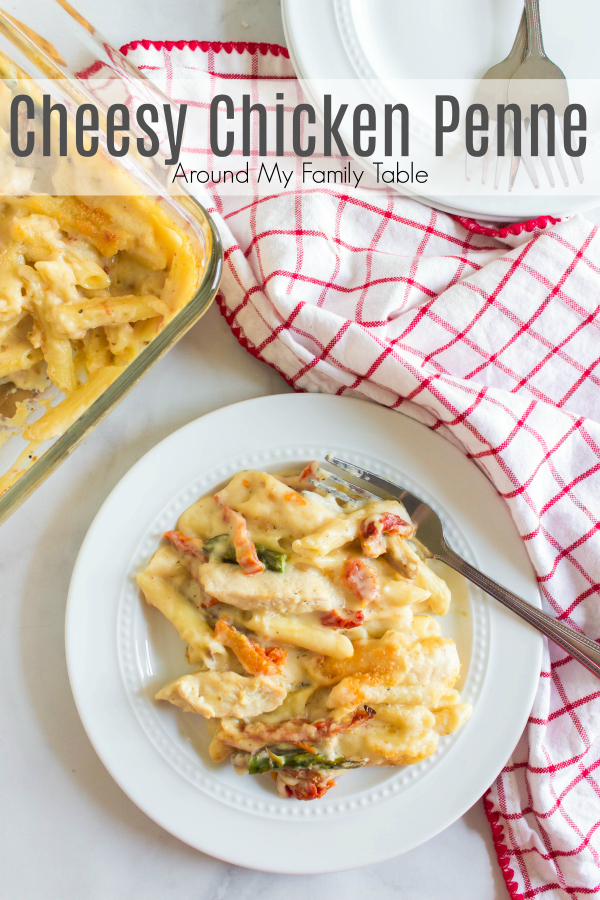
<point>48,39</point>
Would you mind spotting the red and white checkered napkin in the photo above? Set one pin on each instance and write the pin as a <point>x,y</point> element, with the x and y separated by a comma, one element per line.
<point>491,337</point>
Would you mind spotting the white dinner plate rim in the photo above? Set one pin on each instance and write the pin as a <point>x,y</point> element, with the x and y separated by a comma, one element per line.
<point>89,694</point>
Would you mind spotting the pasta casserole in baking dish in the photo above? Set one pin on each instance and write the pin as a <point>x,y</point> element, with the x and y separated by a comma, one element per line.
<point>310,625</point>
<point>85,284</point>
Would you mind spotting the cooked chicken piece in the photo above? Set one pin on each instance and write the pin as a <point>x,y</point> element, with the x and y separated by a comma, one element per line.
<point>293,591</point>
<point>432,662</point>
<point>219,694</point>
<point>401,556</point>
<point>385,745</point>
<point>385,659</point>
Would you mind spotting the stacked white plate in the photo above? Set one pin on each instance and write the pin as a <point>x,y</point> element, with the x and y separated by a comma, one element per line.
<point>402,41</point>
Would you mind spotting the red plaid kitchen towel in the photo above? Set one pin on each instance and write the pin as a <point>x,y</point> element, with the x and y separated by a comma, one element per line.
<point>492,337</point>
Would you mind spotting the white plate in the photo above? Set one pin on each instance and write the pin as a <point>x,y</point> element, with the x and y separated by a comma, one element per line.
<point>392,41</point>
<point>119,651</point>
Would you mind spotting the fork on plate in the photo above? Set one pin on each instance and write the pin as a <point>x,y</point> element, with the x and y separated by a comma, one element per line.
<point>370,486</point>
<point>491,91</point>
<point>525,77</point>
<point>539,80</point>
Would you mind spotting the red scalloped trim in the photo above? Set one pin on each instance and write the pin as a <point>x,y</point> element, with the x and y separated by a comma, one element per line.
<point>501,849</point>
<point>505,230</point>
<point>215,46</point>
<point>243,341</point>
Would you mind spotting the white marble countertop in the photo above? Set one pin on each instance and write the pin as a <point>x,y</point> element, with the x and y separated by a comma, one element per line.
<point>67,831</point>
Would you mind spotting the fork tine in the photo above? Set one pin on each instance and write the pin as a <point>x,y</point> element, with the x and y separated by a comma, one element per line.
<point>488,155</point>
<point>330,490</point>
<point>543,153</point>
<point>574,159</point>
<point>547,169</point>
<point>514,168</point>
<point>362,492</point>
<point>561,165</point>
<point>388,487</point>
<point>527,160</point>
<point>500,160</point>
<point>516,160</point>
<point>578,168</point>
<point>469,163</point>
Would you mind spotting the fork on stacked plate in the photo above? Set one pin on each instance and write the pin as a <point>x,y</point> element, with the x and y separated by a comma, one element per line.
<point>525,78</point>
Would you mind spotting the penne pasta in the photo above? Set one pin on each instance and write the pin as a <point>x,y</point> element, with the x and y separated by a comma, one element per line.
<point>86,283</point>
<point>439,592</point>
<point>292,630</point>
<point>57,351</point>
<point>75,319</point>
<point>96,350</point>
<point>75,217</point>
<point>329,666</point>
<point>58,418</point>
<point>188,620</point>
<point>17,355</point>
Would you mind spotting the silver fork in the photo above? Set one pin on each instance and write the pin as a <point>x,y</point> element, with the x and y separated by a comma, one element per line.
<point>431,535</point>
<point>539,80</point>
<point>493,90</point>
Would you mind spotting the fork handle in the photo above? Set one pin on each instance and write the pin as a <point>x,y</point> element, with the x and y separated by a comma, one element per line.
<point>581,648</point>
<point>535,44</point>
<point>519,47</point>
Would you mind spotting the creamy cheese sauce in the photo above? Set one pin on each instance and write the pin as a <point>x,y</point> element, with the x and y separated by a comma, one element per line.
<point>310,622</point>
<point>86,282</point>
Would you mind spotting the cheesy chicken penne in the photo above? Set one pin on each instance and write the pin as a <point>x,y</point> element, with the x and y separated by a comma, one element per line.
<point>85,284</point>
<point>86,281</point>
<point>310,625</point>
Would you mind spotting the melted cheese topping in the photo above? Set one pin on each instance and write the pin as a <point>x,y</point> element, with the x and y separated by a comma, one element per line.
<point>86,282</point>
<point>357,668</point>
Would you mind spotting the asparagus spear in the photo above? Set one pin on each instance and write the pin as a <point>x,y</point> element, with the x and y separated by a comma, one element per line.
<point>269,758</point>
<point>273,559</point>
<point>218,545</point>
<point>221,548</point>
